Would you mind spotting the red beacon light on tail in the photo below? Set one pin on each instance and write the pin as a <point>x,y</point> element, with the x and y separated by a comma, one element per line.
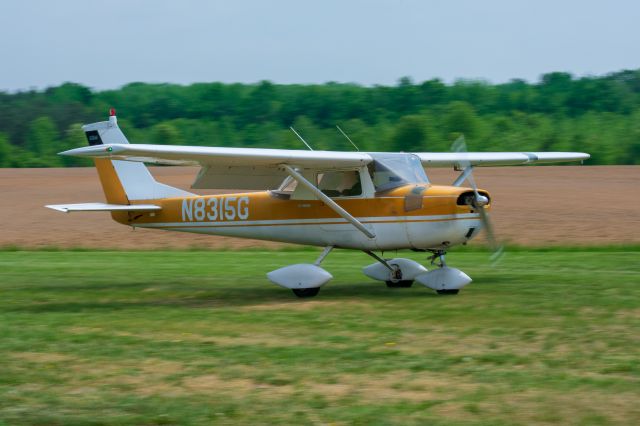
<point>113,121</point>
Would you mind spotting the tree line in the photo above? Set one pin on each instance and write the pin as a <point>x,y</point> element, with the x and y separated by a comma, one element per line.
<point>595,114</point>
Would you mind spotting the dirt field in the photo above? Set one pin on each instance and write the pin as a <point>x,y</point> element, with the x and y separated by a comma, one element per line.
<point>532,206</point>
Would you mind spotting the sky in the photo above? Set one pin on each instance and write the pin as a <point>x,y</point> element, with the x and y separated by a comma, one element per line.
<point>106,44</point>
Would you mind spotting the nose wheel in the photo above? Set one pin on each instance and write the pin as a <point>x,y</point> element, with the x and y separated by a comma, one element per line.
<point>444,292</point>
<point>306,292</point>
<point>444,280</point>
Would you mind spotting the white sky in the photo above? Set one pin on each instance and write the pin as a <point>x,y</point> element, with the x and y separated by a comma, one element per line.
<point>105,44</point>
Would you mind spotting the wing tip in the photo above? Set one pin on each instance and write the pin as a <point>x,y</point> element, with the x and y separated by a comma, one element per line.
<point>58,207</point>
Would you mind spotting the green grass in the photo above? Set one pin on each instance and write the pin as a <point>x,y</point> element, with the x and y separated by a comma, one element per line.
<point>197,337</point>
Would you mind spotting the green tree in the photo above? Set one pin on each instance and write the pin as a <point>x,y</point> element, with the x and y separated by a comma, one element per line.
<point>460,117</point>
<point>5,151</point>
<point>405,96</point>
<point>260,105</point>
<point>69,92</point>
<point>43,142</point>
<point>410,134</point>
<point>74,138</point>
<point>309,132</point>
<point>432,92</point>
<point>166,134</point>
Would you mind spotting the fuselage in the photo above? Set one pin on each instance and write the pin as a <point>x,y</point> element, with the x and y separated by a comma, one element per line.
<point>409,217</point>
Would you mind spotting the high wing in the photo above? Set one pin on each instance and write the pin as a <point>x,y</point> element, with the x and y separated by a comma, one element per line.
<point>262,157</point>
<point>449,159</point>
<point>260,168</point>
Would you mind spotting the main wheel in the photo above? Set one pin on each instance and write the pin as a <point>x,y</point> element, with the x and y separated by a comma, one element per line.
<point>456,291</point>
<point>305,292</point>
<point>400,284</point>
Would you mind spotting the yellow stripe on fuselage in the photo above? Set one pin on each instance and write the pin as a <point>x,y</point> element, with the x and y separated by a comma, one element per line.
<point>264,206</point>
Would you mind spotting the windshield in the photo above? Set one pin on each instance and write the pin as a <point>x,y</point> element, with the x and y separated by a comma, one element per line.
<point>390,171</point>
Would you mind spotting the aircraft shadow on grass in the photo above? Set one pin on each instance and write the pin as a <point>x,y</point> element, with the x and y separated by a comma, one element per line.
<point>209,296</point>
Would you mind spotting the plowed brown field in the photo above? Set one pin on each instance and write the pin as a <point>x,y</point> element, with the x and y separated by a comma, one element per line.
<point>588,205</point>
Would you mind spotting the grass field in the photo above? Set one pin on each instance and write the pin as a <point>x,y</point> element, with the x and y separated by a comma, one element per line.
<point>179,337</point>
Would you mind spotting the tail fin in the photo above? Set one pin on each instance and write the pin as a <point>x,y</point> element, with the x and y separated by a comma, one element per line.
<point>124,181</point>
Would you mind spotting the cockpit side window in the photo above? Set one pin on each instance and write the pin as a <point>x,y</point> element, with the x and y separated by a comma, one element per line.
<point>340,183</point>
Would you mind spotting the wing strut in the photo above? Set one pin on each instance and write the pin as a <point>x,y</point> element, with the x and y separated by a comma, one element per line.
<point>328,201</point>
<point>463,176</point>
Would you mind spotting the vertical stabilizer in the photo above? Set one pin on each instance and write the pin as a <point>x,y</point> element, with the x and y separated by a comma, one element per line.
<point>124,181</point>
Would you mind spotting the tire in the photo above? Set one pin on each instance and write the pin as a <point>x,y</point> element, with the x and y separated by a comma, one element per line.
<point>305,292</point>
<point>400,284</point>
<point>456,291</point>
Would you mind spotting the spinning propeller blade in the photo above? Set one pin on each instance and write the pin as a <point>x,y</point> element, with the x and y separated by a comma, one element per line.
<point>480,201</point>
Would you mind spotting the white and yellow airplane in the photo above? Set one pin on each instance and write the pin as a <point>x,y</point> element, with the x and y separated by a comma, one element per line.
<point>369,201</point>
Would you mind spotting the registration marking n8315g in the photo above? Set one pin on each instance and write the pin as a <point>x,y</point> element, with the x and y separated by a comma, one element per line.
<point>215,208</point>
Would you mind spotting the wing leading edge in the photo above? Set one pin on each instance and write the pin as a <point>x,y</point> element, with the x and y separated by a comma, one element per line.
<point>258,168</point>
<point>261,157</point>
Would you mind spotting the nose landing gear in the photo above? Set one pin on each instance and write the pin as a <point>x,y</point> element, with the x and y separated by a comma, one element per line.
<point>438,259</point>
<point>444,280</point>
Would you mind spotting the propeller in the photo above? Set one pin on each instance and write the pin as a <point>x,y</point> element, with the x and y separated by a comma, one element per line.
<point>479,201</point>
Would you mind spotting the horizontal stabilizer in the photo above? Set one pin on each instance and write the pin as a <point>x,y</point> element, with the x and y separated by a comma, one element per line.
<point>102,207</point>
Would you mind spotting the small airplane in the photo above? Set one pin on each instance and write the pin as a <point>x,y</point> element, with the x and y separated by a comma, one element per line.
<point>368,201</point>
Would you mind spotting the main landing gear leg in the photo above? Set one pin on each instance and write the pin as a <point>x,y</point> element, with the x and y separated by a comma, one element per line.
<point>304,279</point>
<point>313,291</point>
<point>395,273</point>
<point>401,272</point>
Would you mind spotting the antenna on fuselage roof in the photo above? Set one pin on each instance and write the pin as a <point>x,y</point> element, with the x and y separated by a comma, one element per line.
<point>301,138</point>
<point>348,138</point>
